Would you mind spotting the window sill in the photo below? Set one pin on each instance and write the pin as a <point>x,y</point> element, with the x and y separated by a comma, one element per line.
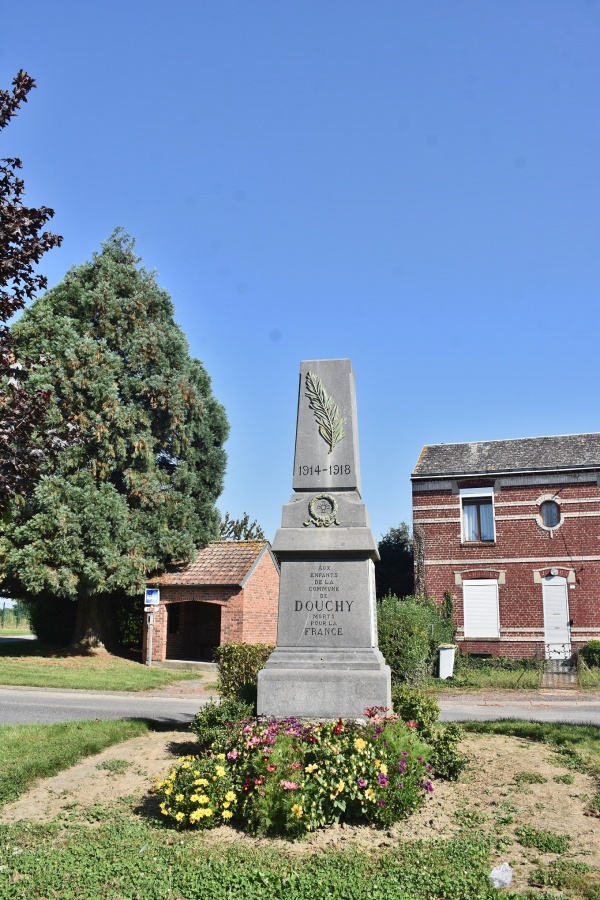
<point>478,543</point>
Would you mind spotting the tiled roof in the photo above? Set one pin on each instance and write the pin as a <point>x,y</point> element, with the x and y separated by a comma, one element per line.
<point>221,562</point>
<point>568,451</point>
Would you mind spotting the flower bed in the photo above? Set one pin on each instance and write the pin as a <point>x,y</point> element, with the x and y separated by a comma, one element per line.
<point>287,776</point>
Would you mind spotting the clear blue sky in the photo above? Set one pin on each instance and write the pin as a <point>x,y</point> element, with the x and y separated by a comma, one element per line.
<point>412,185</point>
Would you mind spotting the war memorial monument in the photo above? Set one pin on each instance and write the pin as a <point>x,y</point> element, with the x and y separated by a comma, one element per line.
<point>326,663</point>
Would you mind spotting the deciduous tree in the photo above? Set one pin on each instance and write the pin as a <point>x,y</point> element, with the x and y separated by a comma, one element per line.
<point>394,571</point>
<point>24,442</point>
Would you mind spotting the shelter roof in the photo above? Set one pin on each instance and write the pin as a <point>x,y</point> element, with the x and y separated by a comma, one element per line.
<point>221,562</point>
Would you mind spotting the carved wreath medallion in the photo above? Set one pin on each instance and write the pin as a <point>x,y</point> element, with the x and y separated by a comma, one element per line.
<point>322,510</point>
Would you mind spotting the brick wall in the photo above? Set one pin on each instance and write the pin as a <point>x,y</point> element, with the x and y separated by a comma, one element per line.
<point>261,602</point>
<point>248,615</point>
<point>522,554</point>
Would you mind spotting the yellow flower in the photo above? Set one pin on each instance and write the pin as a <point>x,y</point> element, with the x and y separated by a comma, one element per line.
<point>208,811</point>
<point>227,814</point>
<point>201,782</point>
<point>297,810</point>
<point>226,805</point>
<point>220,771</point>
<point>168,791</point>
<point>377,762</point>
<point>180,817</point>
<point>312,768</point>
<point>220,756</point>
<point>360,744</point>
<point>383,769</point>
<point>369,794</point>
<point>194,798</point>
<point>196,772</point>
<point>203,799</point>
<point>178,797</point>
<point>196,815</point>
<point>340,787</point>
<point>230,796</point>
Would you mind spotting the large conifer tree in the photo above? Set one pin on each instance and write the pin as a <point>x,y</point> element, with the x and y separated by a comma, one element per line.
<point>138,488</point>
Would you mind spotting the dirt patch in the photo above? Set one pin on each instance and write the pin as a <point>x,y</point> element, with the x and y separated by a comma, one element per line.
<point>497,793</point>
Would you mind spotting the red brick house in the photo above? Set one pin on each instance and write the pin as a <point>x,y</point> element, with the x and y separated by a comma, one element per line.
<point>512,530</point>
<point>228,593</point>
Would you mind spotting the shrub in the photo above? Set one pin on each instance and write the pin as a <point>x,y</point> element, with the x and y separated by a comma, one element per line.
<point>215,720</point>
<point>590,654</point>
<point>239,665</point>
<point>412,705</point>
<point>410,631</point>
<point>290,777</point>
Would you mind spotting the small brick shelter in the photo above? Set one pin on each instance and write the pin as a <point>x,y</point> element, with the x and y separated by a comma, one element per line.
<point>227,594</point>
<point>511,529</point>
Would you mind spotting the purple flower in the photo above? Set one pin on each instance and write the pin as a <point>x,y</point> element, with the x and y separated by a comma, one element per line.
<point>382,779</point>
<point>428,767</point>
<point>400,785</point>
<point>404,753</point>
<point>428,786</point>
<point>361,782</point>
<point>402,766</point>
<point>381,803</point>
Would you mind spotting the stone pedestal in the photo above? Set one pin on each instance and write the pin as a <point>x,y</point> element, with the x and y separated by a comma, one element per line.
<point>326,663</point>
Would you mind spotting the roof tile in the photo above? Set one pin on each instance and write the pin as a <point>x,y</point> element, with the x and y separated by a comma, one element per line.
<point>221,562</point>
<point>567,451</point>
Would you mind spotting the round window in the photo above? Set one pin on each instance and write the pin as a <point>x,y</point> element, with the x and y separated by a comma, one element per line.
<point>550,513</point>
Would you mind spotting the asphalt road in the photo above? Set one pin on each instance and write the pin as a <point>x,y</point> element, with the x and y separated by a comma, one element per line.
<point>533,706</point>
<point>20,705</point>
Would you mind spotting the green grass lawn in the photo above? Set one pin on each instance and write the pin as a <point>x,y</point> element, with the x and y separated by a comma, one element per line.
<point>489,678</point>
<point>29,752</point>
<point>110,851</point>
<point>30,664</point>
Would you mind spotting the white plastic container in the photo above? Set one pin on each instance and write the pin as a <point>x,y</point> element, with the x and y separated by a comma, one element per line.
<point>446,652</point>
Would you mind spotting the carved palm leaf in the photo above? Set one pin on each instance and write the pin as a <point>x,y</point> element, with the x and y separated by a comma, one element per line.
<point>326,411</point>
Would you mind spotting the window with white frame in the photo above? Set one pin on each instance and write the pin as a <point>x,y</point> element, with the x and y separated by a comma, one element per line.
<point>477,514</point>
<point>480,608</point>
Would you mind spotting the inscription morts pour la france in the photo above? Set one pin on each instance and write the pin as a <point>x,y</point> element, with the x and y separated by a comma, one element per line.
<point>326,663</point>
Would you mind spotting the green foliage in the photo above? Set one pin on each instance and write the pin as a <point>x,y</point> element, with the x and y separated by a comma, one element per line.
<point>530,778</point>
<point>240,529</point>
<point>128,857</point>
<point>410,631</point>
<point>114,766</point>
<point>239,665</point>
<point>544,841</point>
<point>590,654</point>
<point>394,570</point>
<point>289,777</point>
<point>29,752</point>
<point>447,760</point>
<point>568,874</point>
<point>215,720</point>
<point>412,705</point>
<point>137,490</point>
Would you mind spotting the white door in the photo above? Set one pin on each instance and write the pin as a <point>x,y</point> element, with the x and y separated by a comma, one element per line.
<point>557,633</point>
<point>480,599</point>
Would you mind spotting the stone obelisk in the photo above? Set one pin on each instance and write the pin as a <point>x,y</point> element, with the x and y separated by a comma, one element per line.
<point>326,663</point>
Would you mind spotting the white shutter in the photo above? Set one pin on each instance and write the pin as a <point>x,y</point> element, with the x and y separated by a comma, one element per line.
<point>480,600</point>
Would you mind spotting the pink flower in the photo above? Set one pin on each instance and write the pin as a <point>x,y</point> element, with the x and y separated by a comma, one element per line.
<point>288,785</point>
<point>296,766</point>
<point>271,767</point>
<point>411,724</point>
<point>233,754</point>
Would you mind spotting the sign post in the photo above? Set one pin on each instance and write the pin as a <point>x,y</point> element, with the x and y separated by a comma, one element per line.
<point>151,599</point>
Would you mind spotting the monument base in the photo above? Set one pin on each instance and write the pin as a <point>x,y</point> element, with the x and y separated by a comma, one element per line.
<point>323,684</point>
